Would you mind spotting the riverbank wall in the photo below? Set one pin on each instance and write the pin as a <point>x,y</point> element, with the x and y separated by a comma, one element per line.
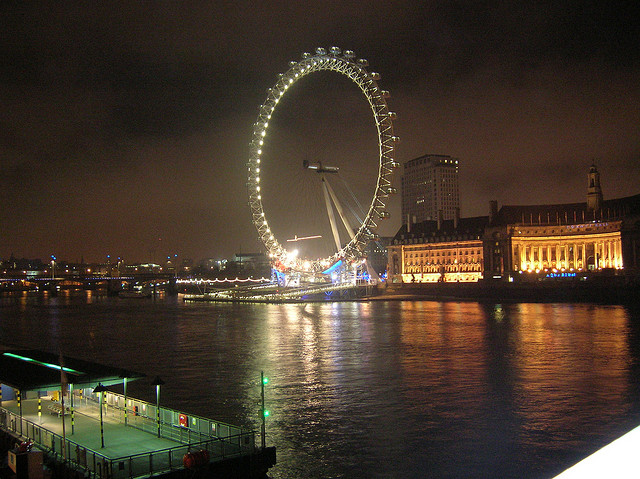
<point>604,289</point>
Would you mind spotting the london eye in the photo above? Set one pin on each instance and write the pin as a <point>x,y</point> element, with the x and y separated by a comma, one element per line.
<point>350,225</point>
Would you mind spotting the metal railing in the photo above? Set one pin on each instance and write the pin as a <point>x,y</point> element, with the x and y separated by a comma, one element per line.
<point>144,464</point>
<point>174,425</point>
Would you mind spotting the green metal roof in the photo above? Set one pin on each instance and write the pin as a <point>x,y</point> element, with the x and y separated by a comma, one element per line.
<point>32,370</point>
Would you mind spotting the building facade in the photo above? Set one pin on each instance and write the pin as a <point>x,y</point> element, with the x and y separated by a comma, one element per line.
<point>438,251</point>
<point>569,238</point>
<point>529,242</point>
<point>430,188</point>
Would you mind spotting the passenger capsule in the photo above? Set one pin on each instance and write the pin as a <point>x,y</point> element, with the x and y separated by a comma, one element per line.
<point>321,51</point>
<point>335,51</point>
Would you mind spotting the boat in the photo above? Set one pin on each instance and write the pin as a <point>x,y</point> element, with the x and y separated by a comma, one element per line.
<point>135,293</point>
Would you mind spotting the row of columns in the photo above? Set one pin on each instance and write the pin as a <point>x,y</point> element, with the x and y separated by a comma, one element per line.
<point>607,254</point>
<point>436,268</point>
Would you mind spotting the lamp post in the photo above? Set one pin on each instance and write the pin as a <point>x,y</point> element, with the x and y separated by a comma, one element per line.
<point>124,385</point>
<point>157,382</point>
<point>175,267</point>
<point>100,389</point>
<point>264,412</point>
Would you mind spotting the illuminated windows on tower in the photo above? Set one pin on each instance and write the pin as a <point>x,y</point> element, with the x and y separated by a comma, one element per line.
<point>430,186</point>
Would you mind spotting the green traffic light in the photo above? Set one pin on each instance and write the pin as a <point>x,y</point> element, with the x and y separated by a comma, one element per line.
<point>266,413</point>
<point>265,380</point>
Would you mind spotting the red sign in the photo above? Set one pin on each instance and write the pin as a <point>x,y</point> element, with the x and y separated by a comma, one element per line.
<point>184,420</point>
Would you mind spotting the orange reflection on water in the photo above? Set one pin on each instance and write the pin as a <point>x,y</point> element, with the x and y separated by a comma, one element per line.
<point>540,363</point>
<point>444,353</point>
<point>567,358</point>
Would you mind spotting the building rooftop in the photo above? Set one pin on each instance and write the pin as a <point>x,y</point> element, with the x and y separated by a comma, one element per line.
<point>472,226</point>
<point>568,213</point>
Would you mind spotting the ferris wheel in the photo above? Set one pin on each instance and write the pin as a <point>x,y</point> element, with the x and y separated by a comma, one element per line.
<point>359,235</point>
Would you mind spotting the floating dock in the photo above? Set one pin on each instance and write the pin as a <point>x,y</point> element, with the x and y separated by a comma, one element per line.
<point>107,435</point>
<point>270,293</point>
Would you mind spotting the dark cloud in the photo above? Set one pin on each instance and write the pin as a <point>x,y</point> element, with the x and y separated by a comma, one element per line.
<point>123,123</point>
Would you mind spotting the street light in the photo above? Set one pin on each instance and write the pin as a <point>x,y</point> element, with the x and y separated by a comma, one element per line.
<point>100,389</point>
<point>157,382</point>
<point>264,412</point>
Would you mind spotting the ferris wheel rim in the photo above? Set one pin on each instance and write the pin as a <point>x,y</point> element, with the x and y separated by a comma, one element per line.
<point>355,69</point>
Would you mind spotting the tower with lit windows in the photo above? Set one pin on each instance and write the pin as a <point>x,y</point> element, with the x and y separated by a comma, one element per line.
<point>430,189</point>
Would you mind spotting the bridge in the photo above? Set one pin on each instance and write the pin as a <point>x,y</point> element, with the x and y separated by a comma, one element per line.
<point>113,284</point>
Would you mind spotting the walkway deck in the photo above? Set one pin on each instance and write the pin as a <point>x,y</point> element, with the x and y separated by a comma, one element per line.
<point>130,451</point>
<point>119,440</point>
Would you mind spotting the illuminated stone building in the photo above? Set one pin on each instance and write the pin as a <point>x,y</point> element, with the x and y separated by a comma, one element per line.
<point>564,239</point>
<point>438,251</point>
<point>429,188</point>
<point>522,242</point>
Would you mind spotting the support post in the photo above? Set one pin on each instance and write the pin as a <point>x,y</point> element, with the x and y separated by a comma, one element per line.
<point>125,401</point>
<point>20,409</point>
<point>71,405</point>
<point>100,389</point>
<point>101,421</point>
<point>157,382</point>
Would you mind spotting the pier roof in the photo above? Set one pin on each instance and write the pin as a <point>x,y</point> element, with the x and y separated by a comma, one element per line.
<point>31,370</point>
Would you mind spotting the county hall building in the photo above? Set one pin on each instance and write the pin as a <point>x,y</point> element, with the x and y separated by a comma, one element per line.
<point>518,243</point>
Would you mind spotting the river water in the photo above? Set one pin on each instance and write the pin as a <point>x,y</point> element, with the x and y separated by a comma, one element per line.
<point>398,389</point>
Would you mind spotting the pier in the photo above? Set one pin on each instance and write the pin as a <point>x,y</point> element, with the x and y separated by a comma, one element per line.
<point>103,434</point>
<point>272,293</point>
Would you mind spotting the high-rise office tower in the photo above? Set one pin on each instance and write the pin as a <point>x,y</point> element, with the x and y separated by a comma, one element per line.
<point>430,186</point>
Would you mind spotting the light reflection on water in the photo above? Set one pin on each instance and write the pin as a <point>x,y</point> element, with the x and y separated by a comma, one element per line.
<point>381,389</point>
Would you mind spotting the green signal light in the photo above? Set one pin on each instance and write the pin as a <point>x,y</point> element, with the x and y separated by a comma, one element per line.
<point>265,380</point>
<point>266,413</point>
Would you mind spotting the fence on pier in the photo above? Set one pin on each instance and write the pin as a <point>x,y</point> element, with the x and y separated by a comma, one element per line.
<point>192,433</point>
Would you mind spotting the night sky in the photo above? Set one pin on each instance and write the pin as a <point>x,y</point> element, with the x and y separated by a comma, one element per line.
<point>126,125</point>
